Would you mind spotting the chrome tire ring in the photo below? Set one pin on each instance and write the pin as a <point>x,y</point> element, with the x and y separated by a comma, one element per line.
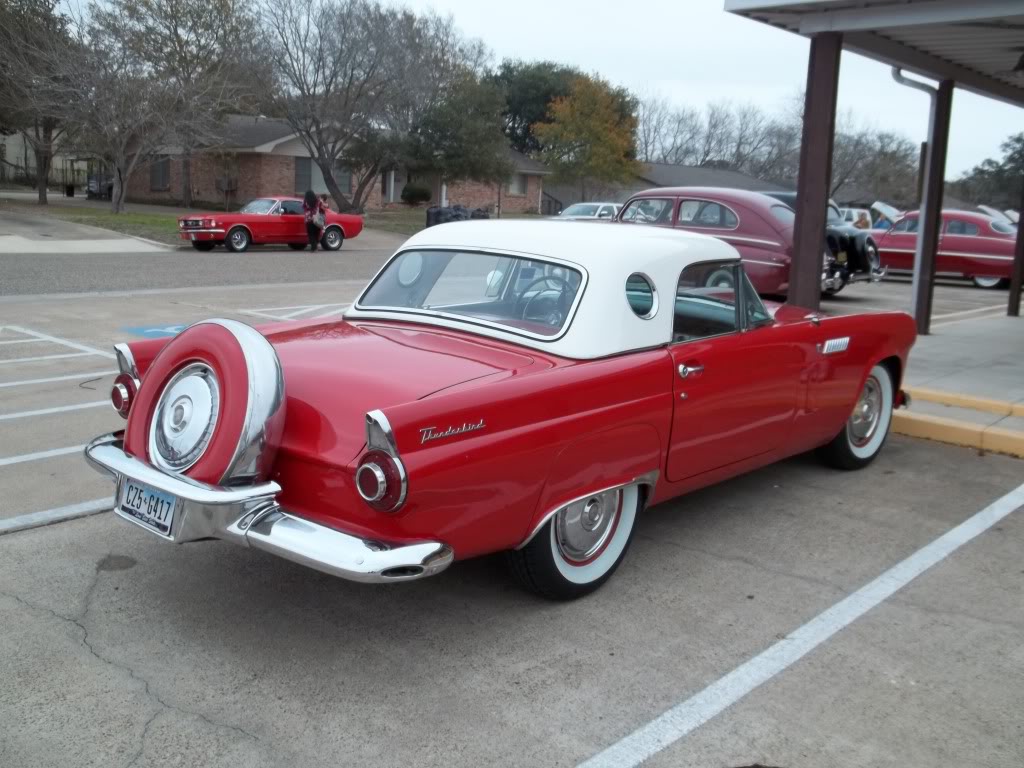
<point>868,424</point>
<point>185,418</point>
<point>583,528</point>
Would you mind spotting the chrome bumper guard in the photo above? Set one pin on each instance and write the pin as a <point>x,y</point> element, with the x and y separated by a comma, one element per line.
<point>248,515</point>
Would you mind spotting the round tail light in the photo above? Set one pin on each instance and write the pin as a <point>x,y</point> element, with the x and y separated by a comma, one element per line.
<point>381,481</point>
<point>122,394</point>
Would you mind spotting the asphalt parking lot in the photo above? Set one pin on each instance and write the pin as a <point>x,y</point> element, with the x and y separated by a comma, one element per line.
<point>117,649</point>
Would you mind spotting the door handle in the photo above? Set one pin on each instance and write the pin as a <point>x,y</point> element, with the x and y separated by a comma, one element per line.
<point>687,370</point>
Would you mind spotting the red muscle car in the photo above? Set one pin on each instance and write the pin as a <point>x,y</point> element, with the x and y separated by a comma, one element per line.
<point>760,227</point>
<point>971,245</point>
<point>498,386</point>
<point>265,221</point>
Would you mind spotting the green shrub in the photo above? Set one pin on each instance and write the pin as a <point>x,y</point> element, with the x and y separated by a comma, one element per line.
<point>413,195</point>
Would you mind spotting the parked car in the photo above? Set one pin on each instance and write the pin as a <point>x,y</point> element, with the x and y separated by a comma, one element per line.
<point>971,245</point>
<point>760,227</point>
<point>589,211</point>
<point>265,221</point>
<point>498,386</point>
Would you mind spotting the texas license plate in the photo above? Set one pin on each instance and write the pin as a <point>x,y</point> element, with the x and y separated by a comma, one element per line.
<point>154,509</point>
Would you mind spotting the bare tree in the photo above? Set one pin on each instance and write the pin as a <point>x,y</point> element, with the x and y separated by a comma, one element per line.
<point>654,117</point>
<point>683,130</point>
<point>35,46</point>
<point>851,146</point>
<point>331,59</point>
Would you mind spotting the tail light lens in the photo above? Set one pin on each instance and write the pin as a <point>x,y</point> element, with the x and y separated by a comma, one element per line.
<point>122,394</point>
<point>381,481</point>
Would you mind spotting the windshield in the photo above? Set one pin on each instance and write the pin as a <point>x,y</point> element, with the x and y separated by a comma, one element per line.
<point>580,209</point>
<point>833,216</point>
<point>1004,227</point>
<point>527,296</point>
<point>259,205</point>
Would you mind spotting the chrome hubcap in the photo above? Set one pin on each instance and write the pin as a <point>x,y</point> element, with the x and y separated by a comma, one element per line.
<point>583,528</point>
<point>863,422</point>
<point>238,238</point>
<point>332,238</point>
<point>185,417</point>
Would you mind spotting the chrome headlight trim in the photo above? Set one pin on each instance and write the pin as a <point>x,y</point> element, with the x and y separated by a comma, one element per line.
<point>185,418</point>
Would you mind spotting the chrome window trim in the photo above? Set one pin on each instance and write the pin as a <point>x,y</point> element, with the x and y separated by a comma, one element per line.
<point>679,222</point>
<point>654,295</point>
<point>647,479</point>
<point>390,312</point>
<point>755,240</point>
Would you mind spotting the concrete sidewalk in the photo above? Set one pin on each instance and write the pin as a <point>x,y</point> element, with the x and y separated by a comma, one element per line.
<point>967,384</point>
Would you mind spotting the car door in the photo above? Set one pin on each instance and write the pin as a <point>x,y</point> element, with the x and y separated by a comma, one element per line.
<point>738,376</point>
<point>292,221</point>
<point>896,247</point>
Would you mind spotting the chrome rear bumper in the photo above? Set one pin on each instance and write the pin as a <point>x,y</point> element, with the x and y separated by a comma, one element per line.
<point>249,515</point>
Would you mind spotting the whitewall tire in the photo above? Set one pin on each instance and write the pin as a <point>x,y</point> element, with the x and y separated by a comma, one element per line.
<point>989,283</point>
<point>580,547</point>
<point>867,427</point>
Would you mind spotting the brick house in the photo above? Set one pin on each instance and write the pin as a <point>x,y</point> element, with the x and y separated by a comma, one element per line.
<point>262,156</point>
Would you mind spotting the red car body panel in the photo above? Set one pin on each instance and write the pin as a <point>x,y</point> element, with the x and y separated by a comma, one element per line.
<point>764,242</point>
<point>265,229</point>
<point>555,428</point>
<point>969,245</point>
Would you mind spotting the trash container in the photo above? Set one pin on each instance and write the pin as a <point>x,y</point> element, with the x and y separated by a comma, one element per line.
<point>69,190</point>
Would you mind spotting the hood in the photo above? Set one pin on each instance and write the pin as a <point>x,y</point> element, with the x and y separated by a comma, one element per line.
<point>335,373</point>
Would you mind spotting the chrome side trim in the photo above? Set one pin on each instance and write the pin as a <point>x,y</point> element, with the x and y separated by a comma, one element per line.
<point>379,435</point>
<point>186,231</point>
<point>834,346</point>
<point>765,263</point>
<point>248,515</point>
<point>650,479</point>
<point>126,360</point>
<point>754,240</point>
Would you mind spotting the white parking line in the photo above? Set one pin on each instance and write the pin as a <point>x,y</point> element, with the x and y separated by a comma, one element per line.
<point>58,409</point>
<point>22,341</point>
<point>40,455</point>
<point>333,312</point>
<point>689,715</point>
<point>976,310</point>
<point>304,310</point>
<point>63,342</point>
<point>61,356</point>
<point>49,379</point>
<point>57,515</point>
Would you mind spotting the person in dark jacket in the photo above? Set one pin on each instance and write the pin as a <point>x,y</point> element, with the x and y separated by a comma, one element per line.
<point>316,213</point>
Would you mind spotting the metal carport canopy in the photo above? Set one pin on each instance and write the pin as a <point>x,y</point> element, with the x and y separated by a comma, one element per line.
<point>977,45</point>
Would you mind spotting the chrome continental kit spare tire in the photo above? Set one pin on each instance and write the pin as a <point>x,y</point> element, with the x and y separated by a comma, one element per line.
<point>211,406</point>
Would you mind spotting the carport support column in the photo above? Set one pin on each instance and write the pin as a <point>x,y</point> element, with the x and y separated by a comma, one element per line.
<point>1017,274</point>
<point>931,206</point>
<point>815,176</point>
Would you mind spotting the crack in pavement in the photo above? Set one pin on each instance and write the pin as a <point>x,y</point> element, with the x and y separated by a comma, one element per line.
<point>80,622</point>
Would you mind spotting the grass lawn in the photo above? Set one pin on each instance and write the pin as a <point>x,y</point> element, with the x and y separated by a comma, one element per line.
<point>162,227</point>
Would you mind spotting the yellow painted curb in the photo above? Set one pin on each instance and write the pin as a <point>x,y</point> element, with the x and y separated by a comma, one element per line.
<point>937,428</point>
<point>955,432</point>
<point>965,401</point>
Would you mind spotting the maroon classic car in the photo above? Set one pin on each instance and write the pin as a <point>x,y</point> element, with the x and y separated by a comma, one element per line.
<point>971,245</point>
<point>760,227</point>
<point>264,221</point>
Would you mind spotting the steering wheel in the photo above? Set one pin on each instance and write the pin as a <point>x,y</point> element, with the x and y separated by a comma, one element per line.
<point>563,288</point>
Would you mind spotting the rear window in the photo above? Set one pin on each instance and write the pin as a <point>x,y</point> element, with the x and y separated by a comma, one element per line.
<point>783,214</point>
<point>959,227</point>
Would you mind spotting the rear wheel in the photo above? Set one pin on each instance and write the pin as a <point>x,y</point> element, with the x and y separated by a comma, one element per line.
<point>864,433</point>
<point>332,239</point>
<point>579,549</point>
<point>990,282</point>
<point>238,240</point>
<point>204,246</point>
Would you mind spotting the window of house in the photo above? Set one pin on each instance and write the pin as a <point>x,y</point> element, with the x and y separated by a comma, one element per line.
<point>959,227</point>
<point>160,174</point>
<point>706,301</point>
<point>309,176</point>
<point>649,210</point>
<point>517,184</point>
<point>906,225</point>
<point>705,213</point>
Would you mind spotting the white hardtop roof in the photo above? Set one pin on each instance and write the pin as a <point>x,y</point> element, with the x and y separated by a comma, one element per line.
<point>604,324</point>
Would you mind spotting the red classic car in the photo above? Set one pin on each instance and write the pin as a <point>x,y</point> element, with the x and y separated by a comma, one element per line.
<point>971,245</point>
<point>264,221</point>
<point>498,386</point>
<point>760,227</point>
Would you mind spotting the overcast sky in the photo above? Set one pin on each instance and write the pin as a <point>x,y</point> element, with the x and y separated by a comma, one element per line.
<point>692,52</point>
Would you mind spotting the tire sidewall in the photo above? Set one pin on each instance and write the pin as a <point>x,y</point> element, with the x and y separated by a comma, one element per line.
<point>711,282</point>
<point>341,238</point>
<point>867,452</point>
<point>230,244</point>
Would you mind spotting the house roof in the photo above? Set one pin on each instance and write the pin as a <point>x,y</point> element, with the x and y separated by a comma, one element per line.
<point>667,175</point>
<point>251,131</point>
<point>527,165</point>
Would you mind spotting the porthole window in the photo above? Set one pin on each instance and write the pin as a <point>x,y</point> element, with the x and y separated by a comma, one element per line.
<point>641,295</point>
<point>410,268</point>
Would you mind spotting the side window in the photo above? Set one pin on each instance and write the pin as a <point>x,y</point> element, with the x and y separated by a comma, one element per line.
<point>640,294</point>
<point>649,210</point>
<point>906,225</point>
<point>958,227</point>
<point>291,207</point>
<point>706,302</point>
<point>752,304</point>
<point>704,213</point>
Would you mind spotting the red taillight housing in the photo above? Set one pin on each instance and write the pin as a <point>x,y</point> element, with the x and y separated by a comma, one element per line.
<point>122,394</point>
<point>380,481</point>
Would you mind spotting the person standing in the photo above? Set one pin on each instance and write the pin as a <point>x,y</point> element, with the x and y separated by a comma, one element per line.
<point>316,215</point>
<point>862,222</point>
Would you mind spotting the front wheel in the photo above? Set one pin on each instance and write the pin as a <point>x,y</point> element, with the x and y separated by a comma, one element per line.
<point>864,433</point>
<point>238,240</point>
<point>580,547</point>
<point>990,283</point>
